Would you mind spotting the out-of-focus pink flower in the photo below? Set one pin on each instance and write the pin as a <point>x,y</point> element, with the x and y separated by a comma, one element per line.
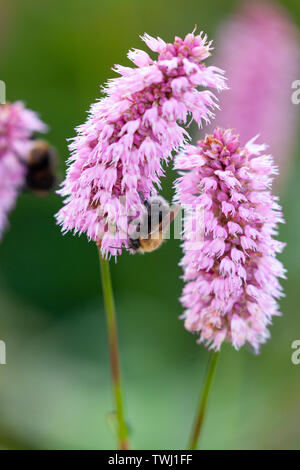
<point>17,124</point>
<point>232,279</point>
<point>259,49</point>
<point>118,153</point>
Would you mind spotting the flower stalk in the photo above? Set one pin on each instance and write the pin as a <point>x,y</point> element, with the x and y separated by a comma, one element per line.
<point>201,411</point>
<point>122,430</point>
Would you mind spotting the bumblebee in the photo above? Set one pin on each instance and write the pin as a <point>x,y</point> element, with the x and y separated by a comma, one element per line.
<point>153,226</point>
<point>40,165</point>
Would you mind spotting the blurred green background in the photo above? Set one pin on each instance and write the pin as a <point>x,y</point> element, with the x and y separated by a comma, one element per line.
<point>55,391</point>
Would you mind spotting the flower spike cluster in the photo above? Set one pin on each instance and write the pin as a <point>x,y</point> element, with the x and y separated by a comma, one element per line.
<point>17,124</point>
<point>232,279</point>
<point>118,154</point>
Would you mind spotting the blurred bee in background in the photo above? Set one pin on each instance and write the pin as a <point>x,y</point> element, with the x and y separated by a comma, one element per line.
<point>40,165</point>
<point>152,227</point>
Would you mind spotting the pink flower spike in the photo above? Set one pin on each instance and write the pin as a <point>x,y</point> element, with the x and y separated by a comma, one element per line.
<point>17,125</point>
<point>260,72</point>
<point>231,281</point>
<point>119,152</point>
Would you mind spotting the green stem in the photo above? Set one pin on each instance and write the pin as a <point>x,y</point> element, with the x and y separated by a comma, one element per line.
<point>114,351</point>
<point>201,411</point>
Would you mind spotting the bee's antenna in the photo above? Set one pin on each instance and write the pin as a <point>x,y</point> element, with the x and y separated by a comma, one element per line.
<point>142,197</point>
<point>145,202</point>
